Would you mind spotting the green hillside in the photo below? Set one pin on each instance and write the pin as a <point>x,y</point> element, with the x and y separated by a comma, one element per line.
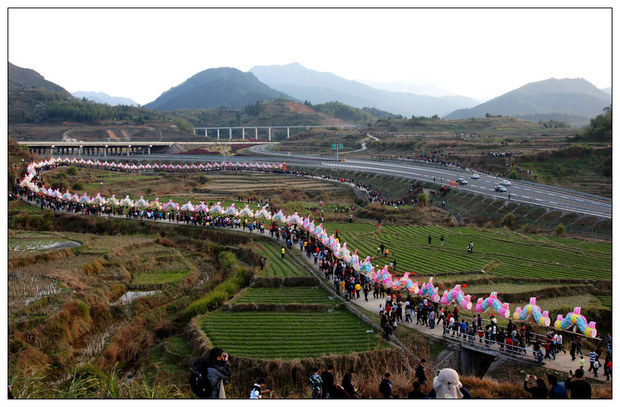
<point>214,88</point>
<point>574,100</point>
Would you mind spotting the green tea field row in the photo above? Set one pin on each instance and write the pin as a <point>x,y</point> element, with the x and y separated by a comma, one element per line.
<point>275,266</point>
<point>286,295</point>
<point>513,254</point>
<point>289,335</point>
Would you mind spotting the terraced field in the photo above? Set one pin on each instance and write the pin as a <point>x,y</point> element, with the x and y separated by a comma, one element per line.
<point>299,329</point>
<point>286,295</point>
<point>498,251</point>
<point>158,265</point>
<point>288,335</point>
<point>275,266</point>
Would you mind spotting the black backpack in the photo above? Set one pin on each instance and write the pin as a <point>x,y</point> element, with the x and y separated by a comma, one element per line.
<point>198,380</point>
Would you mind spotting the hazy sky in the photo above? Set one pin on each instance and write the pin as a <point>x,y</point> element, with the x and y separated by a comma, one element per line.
<point>480,53</point>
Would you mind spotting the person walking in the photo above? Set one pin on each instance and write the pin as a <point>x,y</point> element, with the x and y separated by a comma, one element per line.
<point>595,366</point>
<point>441,239</point>
<point>385,387</point>
<point>607,367</point>
<point>316,383</point>
<point>593,357</point>
<point>282,250</point>
<point>328,382</point>
<point>420,373</point>
<point>429,240</point>
<point>579,347</point>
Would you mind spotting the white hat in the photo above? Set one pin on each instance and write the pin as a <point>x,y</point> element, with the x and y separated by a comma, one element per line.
<point>447,384</point>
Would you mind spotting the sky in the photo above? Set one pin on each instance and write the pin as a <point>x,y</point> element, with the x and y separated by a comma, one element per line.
<point>479,53</point>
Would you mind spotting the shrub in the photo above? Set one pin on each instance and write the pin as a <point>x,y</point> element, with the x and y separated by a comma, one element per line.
<point>560,229</point>
<point>84,308</point>
<point>71,171</point>
<point>78,186</point>
<point>509,220</point>
<point>422,199</point>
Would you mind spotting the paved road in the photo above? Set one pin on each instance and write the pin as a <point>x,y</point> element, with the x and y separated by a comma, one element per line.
<point>520,191</point>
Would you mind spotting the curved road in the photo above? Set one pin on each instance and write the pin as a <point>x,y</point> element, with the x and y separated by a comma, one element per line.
<point>520,191</point>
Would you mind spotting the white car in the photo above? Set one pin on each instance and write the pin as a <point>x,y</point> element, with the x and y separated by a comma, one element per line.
<point>475,176</point>
<point>505,183</point>
<point>462,181</point>
<point>500,188</point>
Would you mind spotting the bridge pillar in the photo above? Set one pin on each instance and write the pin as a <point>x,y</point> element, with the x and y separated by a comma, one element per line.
<point>288,132</point>
<point>230,133</point>
<point>218,134</point>
<point>243,133</point>
<point>256,133</point>
<point>269,133</point>
<point>149,150</point>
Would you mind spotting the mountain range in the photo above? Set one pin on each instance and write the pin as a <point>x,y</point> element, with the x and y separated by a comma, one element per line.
<point>322,87</point>
<point>572,100</point>
<point>104,98</point>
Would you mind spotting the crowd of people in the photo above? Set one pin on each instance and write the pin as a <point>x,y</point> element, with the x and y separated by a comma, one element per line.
<point>350,284</point>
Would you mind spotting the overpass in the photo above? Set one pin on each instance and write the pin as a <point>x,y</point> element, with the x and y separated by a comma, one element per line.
<point>268,128</point>
<point>116,148</point>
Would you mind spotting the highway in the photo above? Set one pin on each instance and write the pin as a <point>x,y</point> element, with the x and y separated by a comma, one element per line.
<point>520,191</point>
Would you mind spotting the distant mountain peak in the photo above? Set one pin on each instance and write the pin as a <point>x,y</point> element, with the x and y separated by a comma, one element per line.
<point>101,97</point>
<point>214,88</point>
<point>322,87</point>
<point>574,100</point>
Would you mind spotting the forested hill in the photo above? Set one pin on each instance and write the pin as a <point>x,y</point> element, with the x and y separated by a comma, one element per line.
<point>26,79</point>
<point>32,99</point>
<point>215,88</point>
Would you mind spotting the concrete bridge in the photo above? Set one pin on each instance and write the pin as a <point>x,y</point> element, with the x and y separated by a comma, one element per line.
<point>115,148</point>
<point>255,129</point>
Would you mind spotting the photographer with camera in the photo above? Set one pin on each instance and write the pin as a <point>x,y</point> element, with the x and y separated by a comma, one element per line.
<point>208,375</point>
<point>538,390</point>
<point>579,388</point>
